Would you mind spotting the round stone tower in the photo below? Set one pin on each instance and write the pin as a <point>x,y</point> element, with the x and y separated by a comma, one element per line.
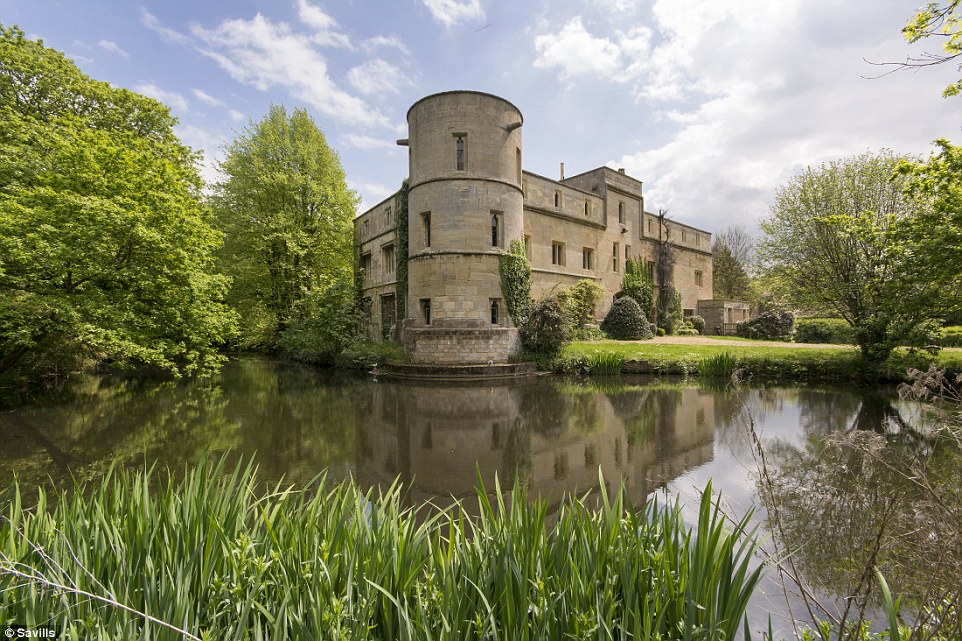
<point>464,208</point>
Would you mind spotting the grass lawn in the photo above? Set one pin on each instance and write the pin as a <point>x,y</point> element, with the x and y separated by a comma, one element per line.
<point>761,359</point>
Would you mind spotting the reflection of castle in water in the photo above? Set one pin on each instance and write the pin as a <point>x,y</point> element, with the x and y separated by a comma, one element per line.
<point>553,437</point>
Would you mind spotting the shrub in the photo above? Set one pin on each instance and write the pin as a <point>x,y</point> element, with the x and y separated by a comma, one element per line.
<point>660,331</point>
<point>951,336</point>
<point>637,284</point>
<point>772,325</point>
<point>579,305</point>
<point>547,330</point>
<point>625,321</point>
<point>605,363</point>
<point>698,323</point>
<point>824,330</point>
<point>670,315</point>
<point>516,282</point>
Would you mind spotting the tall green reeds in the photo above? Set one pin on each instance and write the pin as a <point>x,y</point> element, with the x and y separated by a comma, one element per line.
<point>720,366</point>
<point>214,557</point>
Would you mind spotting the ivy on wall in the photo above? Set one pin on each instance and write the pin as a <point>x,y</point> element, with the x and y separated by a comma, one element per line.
<point>401,256</point>
<point>516,282</point>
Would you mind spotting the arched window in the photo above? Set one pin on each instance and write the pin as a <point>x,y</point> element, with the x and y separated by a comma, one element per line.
<point>495,236</point>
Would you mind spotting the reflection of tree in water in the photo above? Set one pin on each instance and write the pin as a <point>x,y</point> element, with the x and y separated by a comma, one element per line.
<point>517,458</point>
<point>649,414</point>
<point>845,496</point>
<point>252,407</point>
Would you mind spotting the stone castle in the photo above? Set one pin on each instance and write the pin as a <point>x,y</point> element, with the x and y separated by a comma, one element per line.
<point>468,198</point>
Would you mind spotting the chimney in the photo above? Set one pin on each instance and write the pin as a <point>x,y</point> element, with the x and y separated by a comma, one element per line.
<point>562,171</point>
<point>621,170</point>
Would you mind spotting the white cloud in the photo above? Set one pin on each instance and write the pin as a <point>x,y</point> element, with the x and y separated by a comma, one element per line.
<point>378,42</point>
<point>264,54</point>
<point>207,99</point>
<point>210,146</point>
<point>574,51</point>
<point>236,116</point>
<point>323,25</point>
<point>368,142</point>
<point>377,76</point>
<point>170,98</point>
<point>151,21</point>
<point>451,12</point>
<point>112,47</point>
<point>758,92</point>
<point>370,193</point>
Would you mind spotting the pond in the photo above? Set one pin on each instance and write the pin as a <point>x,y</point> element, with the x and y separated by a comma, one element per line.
<point>668,438</point>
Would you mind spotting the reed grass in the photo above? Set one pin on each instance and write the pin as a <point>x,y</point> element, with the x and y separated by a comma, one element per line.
<point>721,365</point>
<point>213,556</point>
<point>605,363</point>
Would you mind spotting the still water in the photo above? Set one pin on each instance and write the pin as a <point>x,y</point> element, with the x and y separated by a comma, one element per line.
<point>654,437</point>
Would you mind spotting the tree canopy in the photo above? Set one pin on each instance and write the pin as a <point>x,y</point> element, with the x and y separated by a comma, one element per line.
<point>939,19</point>
<point>847,238</point>
<point>288,217</point>
<point>731,256</point>
<point>106,252</point>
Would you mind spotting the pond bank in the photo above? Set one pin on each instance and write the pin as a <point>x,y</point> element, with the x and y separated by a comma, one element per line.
<point>762,361</point>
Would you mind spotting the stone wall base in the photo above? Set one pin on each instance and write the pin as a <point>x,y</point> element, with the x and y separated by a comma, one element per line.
<point>452,345</point>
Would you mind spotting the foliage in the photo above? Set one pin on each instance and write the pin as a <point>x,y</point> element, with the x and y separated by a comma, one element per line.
<point>951,336</point>
<point>214,555</point>
<point>687,329</point>
<point>625,321</point>
<point>721,365</point>
<point>401,253</point>
<point>931,241</point>
<point>731,256</point>
<point>939,19</point>
<point>637,284</point>
<point>833,331</point>
<point>105,246</point>
<point>324,323</point>
<point>605,363</point>
<point>670,314</point>
<point>365,354</point>
<point>516,282</point>
<point>664,269</point>
<point>288,218</point>
<point>837,239</point>
<point>773,325</point>
<point>547,330</point>
<point>698,323</point>
<point>580,303</point>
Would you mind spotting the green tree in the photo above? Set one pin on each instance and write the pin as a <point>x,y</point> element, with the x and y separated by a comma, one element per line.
<point>939,19</point>
<point>106,252</point>
<point>637,284</point>
<point>831,244</point>
<point>731,257</point>
<point>287,214</point>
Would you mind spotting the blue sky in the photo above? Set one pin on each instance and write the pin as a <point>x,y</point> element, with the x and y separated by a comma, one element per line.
<point>712,103</point>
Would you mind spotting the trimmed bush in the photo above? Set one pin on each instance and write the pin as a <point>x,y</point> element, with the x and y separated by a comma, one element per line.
<point>698,323</point>
<point>547,330</point>
<point>625,321</point>
<point>835,331</point>
<point>773,325</point>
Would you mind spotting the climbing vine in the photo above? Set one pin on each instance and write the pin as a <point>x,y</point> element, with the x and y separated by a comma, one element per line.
<point>516,282</point>
<point>401,255</point>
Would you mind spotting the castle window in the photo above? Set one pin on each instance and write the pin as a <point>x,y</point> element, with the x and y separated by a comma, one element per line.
<point>587,208</point>
<point>621,212</point>
<point>527,247</point>
<point>684,236</point>
<point>388,314</point>
<point>697,240</point>
<point>651,269</point>
<point>366,264</point>
<point>388,259</point>
<point>698,278</point>
<point>587,258</point>
<point>426,310</point>
<point>460,152</point>
<point>387,216</point>
<point>495,311</point>
<point>426,228</point>
<point>557,253</point>
<point>614,257</point>
<point>649,226</point>
<point>627,252</point>
<point>558,198</point>
<point>517,162</point>
<point>496,231</point>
